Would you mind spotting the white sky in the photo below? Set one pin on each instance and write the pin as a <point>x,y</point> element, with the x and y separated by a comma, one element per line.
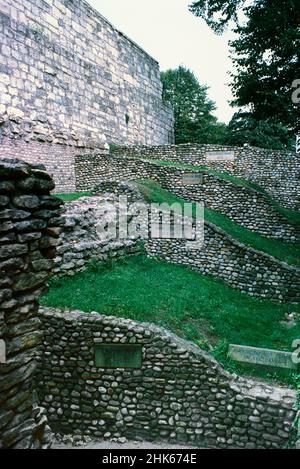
<point>174,36</point>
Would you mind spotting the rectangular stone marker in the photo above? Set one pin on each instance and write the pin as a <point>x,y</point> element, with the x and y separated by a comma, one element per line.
<point>220,156</point>
<point>262,358</point>
<point>118,356</point>
<point>189,179</point>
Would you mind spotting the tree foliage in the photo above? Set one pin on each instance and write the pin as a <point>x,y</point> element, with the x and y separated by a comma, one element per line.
<point>266,54</point>
<point>268,133</point>
<point>194,121</point>
<point>217,13</point>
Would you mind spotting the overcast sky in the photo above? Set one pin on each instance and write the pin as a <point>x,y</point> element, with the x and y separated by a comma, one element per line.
<point>172,35</point>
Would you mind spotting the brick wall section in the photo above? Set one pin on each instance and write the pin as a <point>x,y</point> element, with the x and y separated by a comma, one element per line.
<point>180,394</point>
<point>67,75</point>
<point>278,172</point>
<point>245,206</point>
<point>58,159</point>
<point>29,230</point>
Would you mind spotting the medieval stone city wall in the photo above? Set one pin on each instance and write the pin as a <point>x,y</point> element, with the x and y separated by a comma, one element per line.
<point>178,393</point>
<point>30,223</point>
<point>70,80</point>
<point>243,205</point>
<point>278,172</point>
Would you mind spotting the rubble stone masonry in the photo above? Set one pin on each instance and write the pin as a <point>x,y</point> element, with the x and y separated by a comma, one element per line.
<point>30,223</point>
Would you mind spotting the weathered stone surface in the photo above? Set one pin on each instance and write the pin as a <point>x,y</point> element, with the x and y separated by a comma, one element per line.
<point>123,95</point>
<point>278,175</point>
<point>30,280</point>
<point>220,155</point>
<point>13,168</point>
<point>30,225</point>
<point>5,418</point>
<point>13,214</point>
<point>246,206</point>
<point>258,357</point>
<point>13,264</point>
<point>180,392</point>
<point>24,271</point>
<point>26,201</point>
<point>79,241</point>
<point>11,250</point>
<point>4,200</point>
<point>24,342</point>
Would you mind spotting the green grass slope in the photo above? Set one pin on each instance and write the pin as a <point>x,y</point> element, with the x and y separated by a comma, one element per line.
<point>292,216</point>
<point>195,307</point>
<point>286,252</point>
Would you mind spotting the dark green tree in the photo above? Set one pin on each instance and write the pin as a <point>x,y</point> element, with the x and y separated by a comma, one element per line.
<point>268,133</point>
<point>266,54</point>
<point>217,13</point>
<point>194,121</point>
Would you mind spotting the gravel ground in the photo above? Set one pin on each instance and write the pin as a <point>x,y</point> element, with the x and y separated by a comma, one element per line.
<point>115,445</point>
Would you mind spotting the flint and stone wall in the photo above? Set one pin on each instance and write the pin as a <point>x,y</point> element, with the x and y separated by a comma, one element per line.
<point>244,205</point>
<point>30,221</point>
<point>278,172</point>
<point>80,243</point>
<point>180,393</point>
<point>69,80</point>
<point>240,266</point>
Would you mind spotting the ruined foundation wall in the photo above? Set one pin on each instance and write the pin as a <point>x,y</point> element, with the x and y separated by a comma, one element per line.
<point>30,221</point>
<point>177,392</point>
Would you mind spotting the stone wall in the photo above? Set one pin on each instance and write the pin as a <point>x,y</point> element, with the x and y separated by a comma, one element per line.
<point>30,221</point>
<point>243,205</point>
<point>70,80</point>
<point>179,394</point>
<point>80,242</point>
<point>278,172</point>
<point>240,266</point>
<point>58,159</point>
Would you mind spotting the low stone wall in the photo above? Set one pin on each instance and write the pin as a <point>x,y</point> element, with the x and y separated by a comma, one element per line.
<point>240,266</point>
<point>179,393</point>
<point>277,171</point>
<point>29,227</point>
<point>245,206</point>
<point>80,242</point>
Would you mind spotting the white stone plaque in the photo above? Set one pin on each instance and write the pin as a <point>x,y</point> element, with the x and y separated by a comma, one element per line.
<point>220,156</point>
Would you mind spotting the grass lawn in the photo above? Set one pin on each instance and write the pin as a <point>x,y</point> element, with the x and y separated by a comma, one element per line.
<point>283,251</point>
<point>73,196</point>
<point>195,307</point>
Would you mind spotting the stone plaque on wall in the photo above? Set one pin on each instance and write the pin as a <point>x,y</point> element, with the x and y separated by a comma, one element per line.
<point>189,179</point>
<point>259,357</point>
<point>220,155</point>
<point>118,356</point>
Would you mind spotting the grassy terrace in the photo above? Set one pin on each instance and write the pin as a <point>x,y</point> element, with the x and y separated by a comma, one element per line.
<point>286,252</point>
<point>195,307</point>
<point>73,196</point>
<point>153,192</point>
<point>291,215</point>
